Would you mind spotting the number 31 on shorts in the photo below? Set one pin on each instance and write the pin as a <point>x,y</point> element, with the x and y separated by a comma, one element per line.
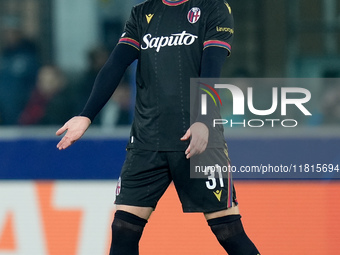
<point>211,183</point>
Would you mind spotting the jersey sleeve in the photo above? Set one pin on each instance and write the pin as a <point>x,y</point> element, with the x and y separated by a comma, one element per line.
<point>220,27</point>
<point>130,34</point>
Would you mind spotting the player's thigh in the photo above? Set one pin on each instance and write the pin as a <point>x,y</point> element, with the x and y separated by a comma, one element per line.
<point>142,212</point>
<point>143,180</point>
<point>230,211</point>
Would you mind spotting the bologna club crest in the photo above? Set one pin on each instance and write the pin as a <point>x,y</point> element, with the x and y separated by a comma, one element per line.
<point>194,15</point>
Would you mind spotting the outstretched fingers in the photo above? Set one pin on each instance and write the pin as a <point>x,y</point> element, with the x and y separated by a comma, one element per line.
<point>75,128</point>
<point>61,130</point>
<point>64,143</point>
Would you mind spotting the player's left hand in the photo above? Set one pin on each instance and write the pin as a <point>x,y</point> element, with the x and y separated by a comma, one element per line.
<point>199,134</point>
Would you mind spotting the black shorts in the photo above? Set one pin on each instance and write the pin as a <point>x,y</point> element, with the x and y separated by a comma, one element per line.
<point>147,174</point>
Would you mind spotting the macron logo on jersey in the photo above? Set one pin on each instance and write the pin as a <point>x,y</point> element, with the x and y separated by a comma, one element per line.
<point>179,39</point>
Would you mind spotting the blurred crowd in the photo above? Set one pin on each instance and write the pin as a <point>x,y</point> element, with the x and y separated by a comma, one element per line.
<point>32,93</point>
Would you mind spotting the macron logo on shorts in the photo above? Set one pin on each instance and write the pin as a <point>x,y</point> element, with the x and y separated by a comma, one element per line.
<point>179,39</point>
<point>218,194</point>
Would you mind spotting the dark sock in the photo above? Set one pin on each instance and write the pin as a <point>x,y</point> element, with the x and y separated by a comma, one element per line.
<point>230,234</point>
<point>127,230</point>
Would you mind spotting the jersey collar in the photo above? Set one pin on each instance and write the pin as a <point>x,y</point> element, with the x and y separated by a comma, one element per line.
<point>174,3</point>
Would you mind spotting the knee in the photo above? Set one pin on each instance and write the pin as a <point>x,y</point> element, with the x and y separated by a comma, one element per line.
<point>127,230</point>
<point>230,234</point>
<point>126,220</point>
<point>226,226</point>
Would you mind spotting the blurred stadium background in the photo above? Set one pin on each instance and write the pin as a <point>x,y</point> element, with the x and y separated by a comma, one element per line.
<point>55,202</point>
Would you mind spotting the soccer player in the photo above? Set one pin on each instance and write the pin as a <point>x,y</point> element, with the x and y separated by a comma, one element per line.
<point>173,42</point>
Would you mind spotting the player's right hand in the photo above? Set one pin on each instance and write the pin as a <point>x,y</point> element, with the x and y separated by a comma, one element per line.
<point>75,128</point>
